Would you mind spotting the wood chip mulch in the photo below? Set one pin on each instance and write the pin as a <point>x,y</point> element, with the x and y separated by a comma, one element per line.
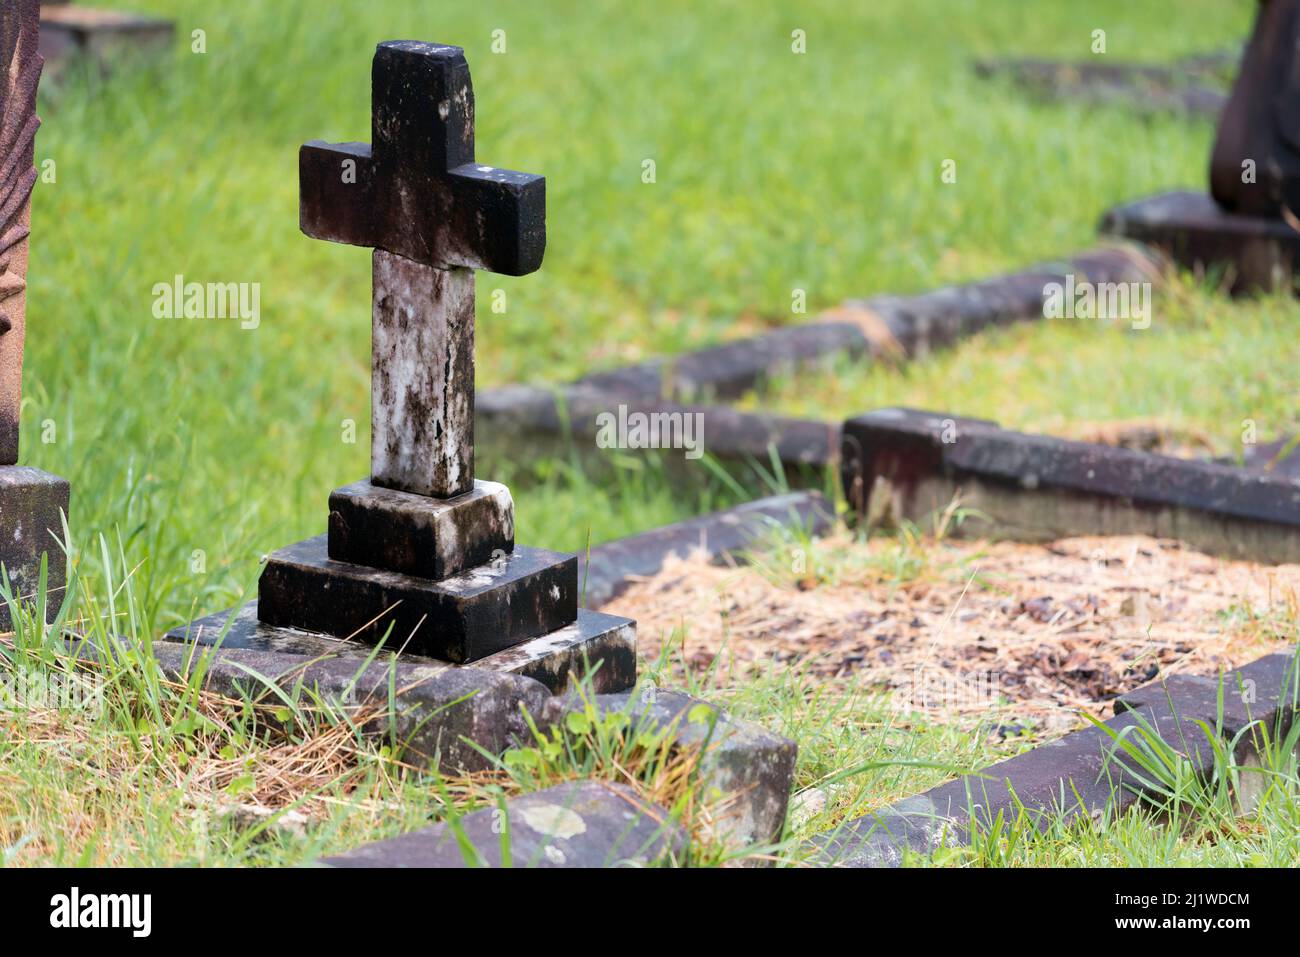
<point>976,627</point>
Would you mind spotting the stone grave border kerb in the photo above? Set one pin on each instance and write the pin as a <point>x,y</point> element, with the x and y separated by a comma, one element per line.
<point>1034,781</point>
<point>883,327</point>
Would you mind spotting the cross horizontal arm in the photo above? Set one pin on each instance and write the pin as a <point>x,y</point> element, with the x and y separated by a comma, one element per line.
<point>475,216</point>
<point>498,220</point>
<point>335,192</point>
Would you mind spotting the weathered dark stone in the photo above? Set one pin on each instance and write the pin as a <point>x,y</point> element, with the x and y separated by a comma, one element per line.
<point>916,325</point>
<point>33,506</point>
<point>1084,773</point>
<point>436,718</point>
<point>1250,252</point>
<point>19,40</point>
<point>576,824</point>
<point>422,377</point>
<point>418,535</point>
<point>598,647</point>
<point>742,762</point>
<point>729,371</point>
<point>610,566</point>
<point>1258,698</point>
<point>1243,231</point>
<point>897,464</point>
<point>418,192</point>
<point>519,421</point>
<point>883,326</point>
<point>1178,88</point>
<point>1280,457</point>
<point>463,618</point>
<point>1261,123</point>
<point>102,36</point>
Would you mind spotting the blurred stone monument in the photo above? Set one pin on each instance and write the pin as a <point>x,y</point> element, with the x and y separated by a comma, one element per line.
<point>1246,228</point>
<point>32,503</point>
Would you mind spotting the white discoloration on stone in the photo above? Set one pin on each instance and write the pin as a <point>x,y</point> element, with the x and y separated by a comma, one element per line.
<point>422,382</point>
<point>554,854</point>
<point>552,820</point>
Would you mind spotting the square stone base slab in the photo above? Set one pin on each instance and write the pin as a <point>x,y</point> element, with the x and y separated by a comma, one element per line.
<point>1253,252</point>
<point>32,506</point>
<point>418,535</point>
<point>487,609</point>
<point>605,644</point>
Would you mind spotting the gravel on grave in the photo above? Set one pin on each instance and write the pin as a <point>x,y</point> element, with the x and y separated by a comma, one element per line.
<point>1003,629</point>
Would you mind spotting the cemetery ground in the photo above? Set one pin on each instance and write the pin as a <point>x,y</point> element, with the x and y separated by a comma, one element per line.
<point>196,446</point>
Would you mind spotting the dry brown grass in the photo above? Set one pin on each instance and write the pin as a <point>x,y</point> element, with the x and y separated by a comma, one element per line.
<point>1042,630</point>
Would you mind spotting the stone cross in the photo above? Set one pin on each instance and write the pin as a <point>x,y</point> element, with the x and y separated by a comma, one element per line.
<point>19,39</point>
<point>433,216</point>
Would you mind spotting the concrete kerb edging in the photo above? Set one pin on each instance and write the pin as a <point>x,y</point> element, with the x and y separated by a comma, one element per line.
<point>524,419</point>
<point>1087,772</point>
<point>908,463</point>
<point>745,771</point>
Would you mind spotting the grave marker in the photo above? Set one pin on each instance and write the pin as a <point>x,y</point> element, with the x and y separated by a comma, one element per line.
<point>422,552</point>
<point>32,502</point>
<point>1246,226</point>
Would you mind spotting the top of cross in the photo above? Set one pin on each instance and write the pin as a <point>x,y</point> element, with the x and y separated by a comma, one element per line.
<point>416,190</point>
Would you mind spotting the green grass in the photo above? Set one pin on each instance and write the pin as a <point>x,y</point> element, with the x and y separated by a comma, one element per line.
<point>199,446</point>
<point>775,171</point>
<point>1206,367</point>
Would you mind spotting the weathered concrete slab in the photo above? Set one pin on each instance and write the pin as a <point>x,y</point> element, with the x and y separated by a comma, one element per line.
<point>1279,457</point>
<point>523,421</point>
<point>1250,253</point>
<point>578,824</point>
<point>597,646</point>
<point>418,535</point>
<point>1080,774</point>
<point>434,716</point>
<point>1084,773</point>
<point>741,761</point>
<point>528,593</point>
<point>1187,86</point>
<point>611,565</point>
<point>904,463</point>
<point>33,505</point>
<point>919,324</point>
<point>878,327</point>
<point>102,36</point>
<point>1259,698</point>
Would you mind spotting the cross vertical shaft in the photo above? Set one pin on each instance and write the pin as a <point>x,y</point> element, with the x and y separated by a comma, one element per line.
<point>422,377</point>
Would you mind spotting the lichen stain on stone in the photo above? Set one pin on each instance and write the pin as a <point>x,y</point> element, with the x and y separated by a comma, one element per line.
<point>552,820</point>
